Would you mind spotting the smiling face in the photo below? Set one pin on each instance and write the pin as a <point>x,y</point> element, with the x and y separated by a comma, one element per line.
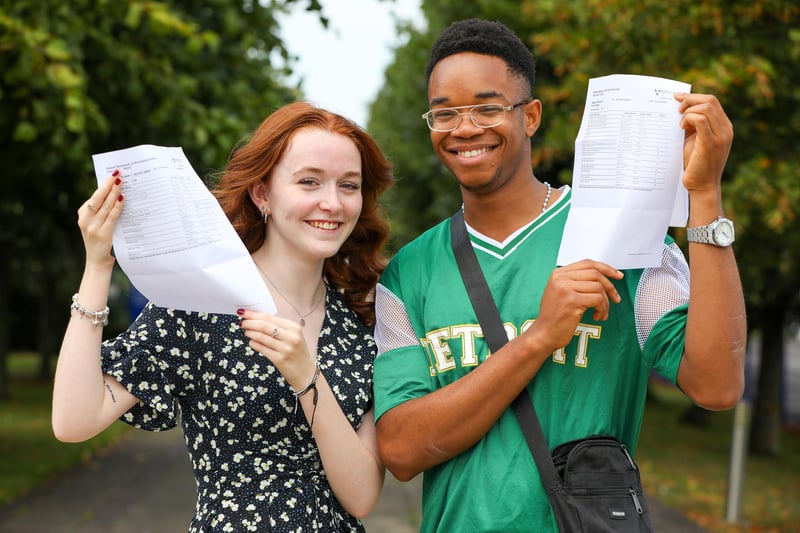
<point>483,159</point>
<point>313,194</point>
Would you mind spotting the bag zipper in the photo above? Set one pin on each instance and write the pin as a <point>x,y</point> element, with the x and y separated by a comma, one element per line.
<point>594,492</point>
<point>630,459</point>
<point>636,501</point>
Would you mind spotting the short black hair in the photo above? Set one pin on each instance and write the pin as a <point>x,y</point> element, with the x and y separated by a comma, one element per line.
<point>485,37</point>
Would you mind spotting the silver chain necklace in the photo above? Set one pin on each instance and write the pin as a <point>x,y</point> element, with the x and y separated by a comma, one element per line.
<point>301,315</point>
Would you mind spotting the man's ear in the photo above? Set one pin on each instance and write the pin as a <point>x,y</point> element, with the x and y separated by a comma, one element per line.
<point>533,116</point>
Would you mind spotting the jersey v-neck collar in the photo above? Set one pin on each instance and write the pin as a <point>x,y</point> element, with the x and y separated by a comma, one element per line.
<point>501,250</point>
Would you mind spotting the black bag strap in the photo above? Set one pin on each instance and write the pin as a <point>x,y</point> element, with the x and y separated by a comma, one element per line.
<point>495,335</point>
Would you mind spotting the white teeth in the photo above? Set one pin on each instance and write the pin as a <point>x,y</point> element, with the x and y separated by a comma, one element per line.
<point>473,153</point>
<point>325,225</point>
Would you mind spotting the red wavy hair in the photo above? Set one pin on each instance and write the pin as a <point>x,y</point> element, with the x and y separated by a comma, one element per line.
<point>355,269</point>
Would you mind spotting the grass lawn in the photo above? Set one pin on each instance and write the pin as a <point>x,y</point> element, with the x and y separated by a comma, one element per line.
<point>29,453</point>
<point>687,467</point>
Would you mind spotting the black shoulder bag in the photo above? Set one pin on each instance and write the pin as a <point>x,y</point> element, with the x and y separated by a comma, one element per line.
<point>593,483</point>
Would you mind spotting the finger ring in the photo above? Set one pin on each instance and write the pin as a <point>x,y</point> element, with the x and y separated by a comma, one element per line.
<point>91,207</point>
<point>274,333</point>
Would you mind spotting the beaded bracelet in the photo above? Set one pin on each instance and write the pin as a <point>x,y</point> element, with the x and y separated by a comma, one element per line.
<point>311,386</point>
<point>98,317</point>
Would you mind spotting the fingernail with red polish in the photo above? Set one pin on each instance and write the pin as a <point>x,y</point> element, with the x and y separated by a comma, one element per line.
<point>120,198</point>
<point>117,181</point>
<point>116,172</point>
<point>240,312</point>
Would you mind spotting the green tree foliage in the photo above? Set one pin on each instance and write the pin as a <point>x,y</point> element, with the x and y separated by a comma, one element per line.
<point>89,76</point>
<point>424,193</point>
<point>744,52</point>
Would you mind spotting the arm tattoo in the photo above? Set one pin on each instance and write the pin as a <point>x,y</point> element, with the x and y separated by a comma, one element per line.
<point>111,392</point>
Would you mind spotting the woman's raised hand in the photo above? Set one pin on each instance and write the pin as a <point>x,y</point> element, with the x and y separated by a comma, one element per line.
<point>97,218</point>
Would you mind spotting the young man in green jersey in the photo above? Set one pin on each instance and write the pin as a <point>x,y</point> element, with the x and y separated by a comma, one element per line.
<point>583,338</point>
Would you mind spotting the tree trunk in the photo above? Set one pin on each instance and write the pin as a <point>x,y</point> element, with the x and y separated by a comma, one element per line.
<point>765,432</point>
<point>5,342</point>
<point>45,340</point>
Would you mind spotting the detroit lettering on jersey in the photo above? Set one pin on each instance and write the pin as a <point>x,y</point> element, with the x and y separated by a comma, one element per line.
<point>470,336</point>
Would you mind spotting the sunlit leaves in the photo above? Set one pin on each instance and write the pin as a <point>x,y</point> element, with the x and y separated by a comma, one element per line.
<point>24,132</point>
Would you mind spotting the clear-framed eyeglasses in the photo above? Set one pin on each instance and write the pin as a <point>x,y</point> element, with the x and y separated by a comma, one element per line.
<point>482,115</point>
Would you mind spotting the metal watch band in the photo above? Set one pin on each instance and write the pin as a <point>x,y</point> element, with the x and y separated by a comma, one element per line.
<point>701,234</point>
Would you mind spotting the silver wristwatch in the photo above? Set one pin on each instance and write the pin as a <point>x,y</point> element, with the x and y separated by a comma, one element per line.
<point>719,233</point>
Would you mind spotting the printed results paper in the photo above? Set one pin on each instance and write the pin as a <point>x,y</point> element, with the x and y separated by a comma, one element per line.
<point>174,241</point>
<point>627,187</point>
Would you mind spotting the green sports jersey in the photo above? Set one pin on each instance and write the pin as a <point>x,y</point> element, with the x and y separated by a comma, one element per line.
<point>428,336</point>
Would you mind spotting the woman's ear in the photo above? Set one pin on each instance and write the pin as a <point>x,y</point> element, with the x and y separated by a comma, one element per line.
<point>260,196</point>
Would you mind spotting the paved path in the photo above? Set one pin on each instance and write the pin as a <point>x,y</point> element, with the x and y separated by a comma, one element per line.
<point>145,485</point>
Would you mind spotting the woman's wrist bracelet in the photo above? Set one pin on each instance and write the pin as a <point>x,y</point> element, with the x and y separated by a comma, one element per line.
<point>311,386</point>
<point>98,317</point>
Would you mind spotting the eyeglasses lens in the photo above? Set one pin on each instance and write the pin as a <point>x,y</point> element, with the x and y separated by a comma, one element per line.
<point>482,115</point>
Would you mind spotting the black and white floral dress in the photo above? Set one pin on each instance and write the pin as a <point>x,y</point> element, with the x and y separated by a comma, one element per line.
<point>256,463</point>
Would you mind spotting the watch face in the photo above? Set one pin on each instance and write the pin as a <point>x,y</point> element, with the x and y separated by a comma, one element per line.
<point>723,232</point>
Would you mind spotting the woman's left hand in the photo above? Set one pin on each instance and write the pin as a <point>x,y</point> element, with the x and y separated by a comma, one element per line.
<point>281,341</point>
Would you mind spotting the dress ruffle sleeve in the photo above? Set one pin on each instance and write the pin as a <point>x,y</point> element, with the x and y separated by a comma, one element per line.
<point>152,360</point>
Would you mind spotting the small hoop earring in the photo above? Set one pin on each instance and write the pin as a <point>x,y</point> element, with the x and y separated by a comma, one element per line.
<point>266,216</point>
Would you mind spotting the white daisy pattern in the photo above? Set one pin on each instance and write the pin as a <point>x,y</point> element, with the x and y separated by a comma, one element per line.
<point>255,462</point>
